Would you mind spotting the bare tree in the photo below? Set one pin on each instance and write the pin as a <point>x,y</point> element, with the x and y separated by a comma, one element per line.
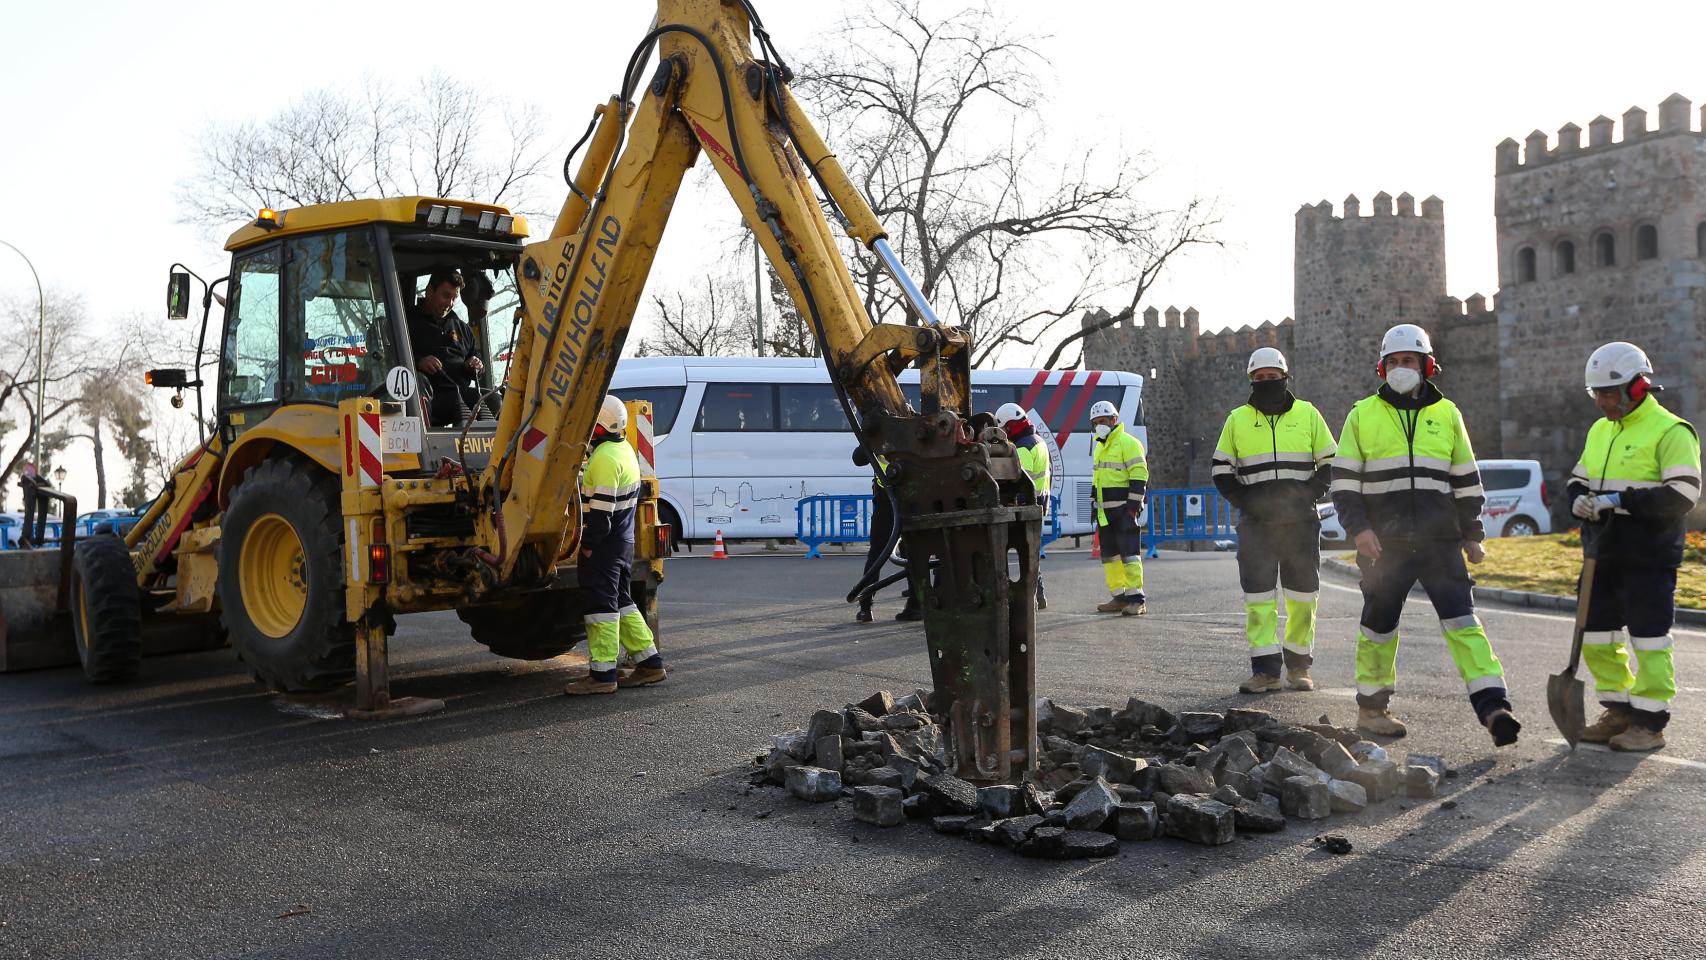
<point>113,410</point>
<point>713,319</point>
<point>68,362</point>
<point>938,119</point>
<point>442,139</point>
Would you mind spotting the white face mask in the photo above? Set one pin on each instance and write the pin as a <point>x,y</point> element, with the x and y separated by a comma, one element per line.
<point>1403,379</point>
<point>1103,429</point>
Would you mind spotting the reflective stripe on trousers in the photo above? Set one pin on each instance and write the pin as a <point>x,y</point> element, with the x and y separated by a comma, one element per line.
<point>1385,585</point>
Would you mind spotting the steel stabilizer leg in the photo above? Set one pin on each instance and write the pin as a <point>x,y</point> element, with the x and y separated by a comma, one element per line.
<point>980,624</point>
<point>373,680</point>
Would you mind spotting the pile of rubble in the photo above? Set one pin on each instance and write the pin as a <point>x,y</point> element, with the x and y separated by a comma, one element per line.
<point>1104,775</point>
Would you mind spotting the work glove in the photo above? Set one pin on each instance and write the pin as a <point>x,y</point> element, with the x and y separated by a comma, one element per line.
<point>1589,507</point>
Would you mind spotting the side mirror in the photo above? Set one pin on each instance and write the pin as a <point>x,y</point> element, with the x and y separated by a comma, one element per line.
<point>178,296</point>
<point>170,378</point>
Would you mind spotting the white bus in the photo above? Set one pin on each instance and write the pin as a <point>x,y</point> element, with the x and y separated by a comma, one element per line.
<point>739,440</point>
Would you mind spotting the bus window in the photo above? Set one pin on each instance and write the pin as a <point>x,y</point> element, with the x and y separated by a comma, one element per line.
<point>741,407</point>
<point>811,406</point>
<point>666,404</point>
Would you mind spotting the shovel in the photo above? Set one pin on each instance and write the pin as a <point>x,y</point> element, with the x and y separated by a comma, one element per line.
<point>1565,694</point>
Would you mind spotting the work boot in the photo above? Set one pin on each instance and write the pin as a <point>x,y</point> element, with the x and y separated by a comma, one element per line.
<point>1613,721</point>
<point>590,684</point>
<point>1299,679</point>
<point>1260,683</point>
<point>1638,740</point>
<point>1135,608</point>
<point>1379,723</point>
<point>910,612</point>
<point>864,614</point>
<point>1503,727</point>
<point>1116,605</point>
<point>642,677</point>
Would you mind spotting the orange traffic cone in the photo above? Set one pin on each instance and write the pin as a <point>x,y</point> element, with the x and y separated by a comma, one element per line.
<point>1096,544</point>
<point>719,553</point>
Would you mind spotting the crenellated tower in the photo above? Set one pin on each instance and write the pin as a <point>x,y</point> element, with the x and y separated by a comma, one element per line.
<point>1356,275</point>
<point>1600,242</point>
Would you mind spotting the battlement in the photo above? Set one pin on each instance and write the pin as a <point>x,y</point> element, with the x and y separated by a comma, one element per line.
<point>1474,308</point>
<point>1676,118</point>
<point>1384,205</point>
<point>1181,331</point>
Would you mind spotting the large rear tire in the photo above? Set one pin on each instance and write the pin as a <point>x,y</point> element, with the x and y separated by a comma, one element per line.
<point>533,626</point>
<point>281,577</point>
<point>106,610</point>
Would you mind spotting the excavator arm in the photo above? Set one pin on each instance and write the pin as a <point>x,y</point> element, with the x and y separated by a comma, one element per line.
<point>967,512</point>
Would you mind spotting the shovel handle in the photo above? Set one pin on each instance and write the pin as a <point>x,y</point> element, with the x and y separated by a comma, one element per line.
<point>1584,595</point>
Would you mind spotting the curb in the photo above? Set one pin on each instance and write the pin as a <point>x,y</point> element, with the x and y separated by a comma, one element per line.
<point>1511,598</point>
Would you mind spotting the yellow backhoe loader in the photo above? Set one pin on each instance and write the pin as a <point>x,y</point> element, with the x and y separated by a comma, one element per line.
<point>325,502</point>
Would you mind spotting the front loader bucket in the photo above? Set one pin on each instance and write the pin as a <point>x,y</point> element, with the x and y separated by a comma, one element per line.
<point>35,629</point>
<point>32,633</point>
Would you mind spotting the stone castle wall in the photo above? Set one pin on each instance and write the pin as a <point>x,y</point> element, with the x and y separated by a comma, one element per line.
<point>1599,242</point>
<point>1192,379</point>
<point>1596,242</point>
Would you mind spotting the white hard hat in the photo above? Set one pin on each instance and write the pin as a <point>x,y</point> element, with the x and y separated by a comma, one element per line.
<point>1102,408</point>
<point>1405,338</point>
<point>1267,357</point>
<point>1009,412</point>
<point>1615,364</point>
<point>613,414</point>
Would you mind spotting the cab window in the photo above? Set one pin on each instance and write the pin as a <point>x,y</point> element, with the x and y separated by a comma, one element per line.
<point>249,374</point>
<point>334,317</point>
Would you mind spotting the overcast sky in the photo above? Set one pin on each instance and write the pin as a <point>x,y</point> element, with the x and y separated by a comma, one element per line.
<point>1261,106</point>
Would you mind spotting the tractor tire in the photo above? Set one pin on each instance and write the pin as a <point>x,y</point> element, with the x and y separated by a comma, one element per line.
<point>281,577</point>
<point>535,626</point>
<point>106,610</point>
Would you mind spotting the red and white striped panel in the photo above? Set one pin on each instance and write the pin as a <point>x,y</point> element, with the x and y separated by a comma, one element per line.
<point>370,450</point>
<point>644,447</point>
<point>533,443</point>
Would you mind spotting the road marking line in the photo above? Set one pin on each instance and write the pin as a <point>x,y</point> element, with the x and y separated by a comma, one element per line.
<point>1565,618</point>
<point>1661,758</point>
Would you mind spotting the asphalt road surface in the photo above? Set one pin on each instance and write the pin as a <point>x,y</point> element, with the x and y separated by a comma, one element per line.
<point>191,815</point>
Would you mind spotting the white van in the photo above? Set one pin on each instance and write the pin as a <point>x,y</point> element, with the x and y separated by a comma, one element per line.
<point>739,440</point>
<point>1516,506</point>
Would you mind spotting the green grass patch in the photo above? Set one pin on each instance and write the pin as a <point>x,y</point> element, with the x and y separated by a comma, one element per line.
<point>1552,563</point>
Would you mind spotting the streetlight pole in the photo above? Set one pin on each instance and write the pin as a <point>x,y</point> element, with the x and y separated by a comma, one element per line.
<point>41,354</point>
<point>758,289</point>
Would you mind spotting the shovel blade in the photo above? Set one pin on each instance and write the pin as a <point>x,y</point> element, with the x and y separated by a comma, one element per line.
<point>1566,698</point>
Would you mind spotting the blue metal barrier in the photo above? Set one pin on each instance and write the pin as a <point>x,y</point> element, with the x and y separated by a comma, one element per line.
<point>85,528</point>
<point>832,518</point>
<point>1199,513</point>
<point>829,518</point>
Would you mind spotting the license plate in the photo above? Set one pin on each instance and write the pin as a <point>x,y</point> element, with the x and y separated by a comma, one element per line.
<point>400,434</point>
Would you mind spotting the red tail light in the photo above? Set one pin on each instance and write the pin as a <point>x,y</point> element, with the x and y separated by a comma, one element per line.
<point>1545,499</point>
<point>378,563</point>
<point>378,554</point>
<point>663,538</point>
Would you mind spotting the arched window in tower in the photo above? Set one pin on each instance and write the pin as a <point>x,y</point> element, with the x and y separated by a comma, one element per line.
<point>1700,240</point>
<point>1564,257</point>
<point>1646,242</point>
<point>1604,249</point>
<point>1525,265</point>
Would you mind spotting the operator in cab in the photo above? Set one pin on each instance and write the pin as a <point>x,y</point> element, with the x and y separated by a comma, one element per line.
<point>445,352</point>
